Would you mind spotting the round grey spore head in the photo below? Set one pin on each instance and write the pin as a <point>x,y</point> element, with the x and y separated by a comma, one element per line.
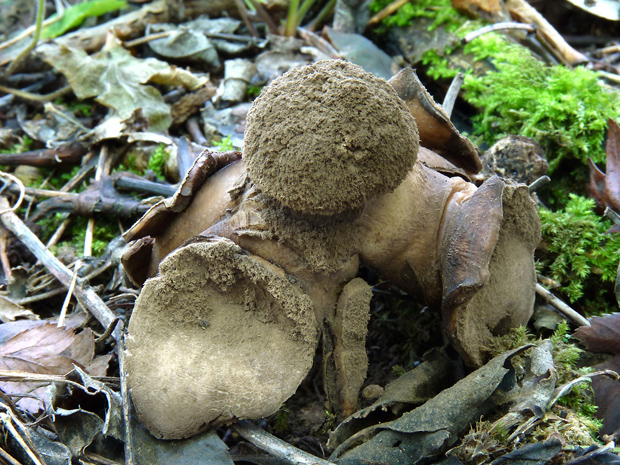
<point>323,138</point>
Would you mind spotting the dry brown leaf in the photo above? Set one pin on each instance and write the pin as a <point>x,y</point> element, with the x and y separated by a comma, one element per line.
<point>10,311</point>
<point>50,350</point>
<point>607,397</point>
<point>603,335</point>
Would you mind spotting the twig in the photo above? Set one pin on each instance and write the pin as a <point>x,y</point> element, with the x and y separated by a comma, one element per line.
<point>65,305</point>
<point>561,306</point>
<point>6,420</point>
<point>125,403</point>
<point>610,76</point>
<point>144,185</point>
<point>59,232</point>
<point>26,32</point>
<point>537,184</point>
<point>452,94</point>
<point>387,11</point>
<point>35,39</point>
<point>36,97</point>
<point>193,128</point>
<point>5,456</point>
<point>243,12</point>
<point>85,295</point>
<point>149,38</point>
<point>497,27</point>
<point>561,390</point>
<point>548,35</point>
<point>90,227</point>
<point>275,446</point>
<point>323,14</point>
<point>271,25</point>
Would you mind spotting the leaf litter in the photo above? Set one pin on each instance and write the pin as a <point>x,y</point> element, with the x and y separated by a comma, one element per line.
<point>90,411</point>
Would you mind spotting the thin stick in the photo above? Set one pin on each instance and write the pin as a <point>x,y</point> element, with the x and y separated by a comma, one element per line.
<point>387,11</point>
<point>102,164</point>
<point>275,446</point>
<point>323,14</point>
<point>145,39</point>
<point>497,27</point>
<point>65,305</point>
<point>271,25</point>
<point>35,39</point>
<point>16,419</point>
<point>538,183</point>
<point>562,307</point>
<point>243,12</point>
<point>125,402</point>
<point>36,97</point>
<point>4,454</point>
<point>85,295</point>
<point>453,93</point>
<point>6,420</point>
<point>26,32</point>
<point>58,233</point>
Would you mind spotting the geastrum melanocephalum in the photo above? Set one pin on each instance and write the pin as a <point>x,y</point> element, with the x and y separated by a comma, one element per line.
<point>247,267</point>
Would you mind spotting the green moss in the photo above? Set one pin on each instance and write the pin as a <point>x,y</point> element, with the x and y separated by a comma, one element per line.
<point>579,255</point>
<point>225,144</point>
<point>20,147</point>
<point>157,161</point>
<point>565,110</point>
<point>441,11</point>
<point>105,230</point>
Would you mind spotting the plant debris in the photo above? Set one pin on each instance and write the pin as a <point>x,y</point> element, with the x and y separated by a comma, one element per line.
<point>301,191</point>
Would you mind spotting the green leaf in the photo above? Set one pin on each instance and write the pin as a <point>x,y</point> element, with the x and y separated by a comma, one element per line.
<point>76,14</point>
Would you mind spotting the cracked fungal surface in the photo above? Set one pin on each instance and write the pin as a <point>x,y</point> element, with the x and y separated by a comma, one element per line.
<point>323,138</point>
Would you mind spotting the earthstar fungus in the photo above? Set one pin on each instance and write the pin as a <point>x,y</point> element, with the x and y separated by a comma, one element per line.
<point>245,269</point>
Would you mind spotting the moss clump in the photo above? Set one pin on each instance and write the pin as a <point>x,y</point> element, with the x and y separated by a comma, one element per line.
<point>565,110</point>
<point>440,11</point>
<point>157,161</point>
<point>578,254</point>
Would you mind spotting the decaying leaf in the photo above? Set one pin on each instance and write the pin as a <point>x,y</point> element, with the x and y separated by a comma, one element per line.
<point>118,80</point>
<point>604,188</point>
<point>10,311</point>
<point>603,335</point>
<point>433,427</point>
<point>49,350</point>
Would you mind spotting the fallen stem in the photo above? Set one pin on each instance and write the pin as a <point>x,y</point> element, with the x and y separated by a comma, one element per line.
<point>36,97</point>
<point>260,10</point>
<point>452,94</point>
<point>497,27</point>
<point>35,39</point>
<point>275,446</point>
<point>85,295</point>
<point>149,38</point>
<point>385,12</point>
<point>243,12</point>
<point>65,305</point>
<point>538,183</point>
<point>562,390</point>
<point>562,307</point>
